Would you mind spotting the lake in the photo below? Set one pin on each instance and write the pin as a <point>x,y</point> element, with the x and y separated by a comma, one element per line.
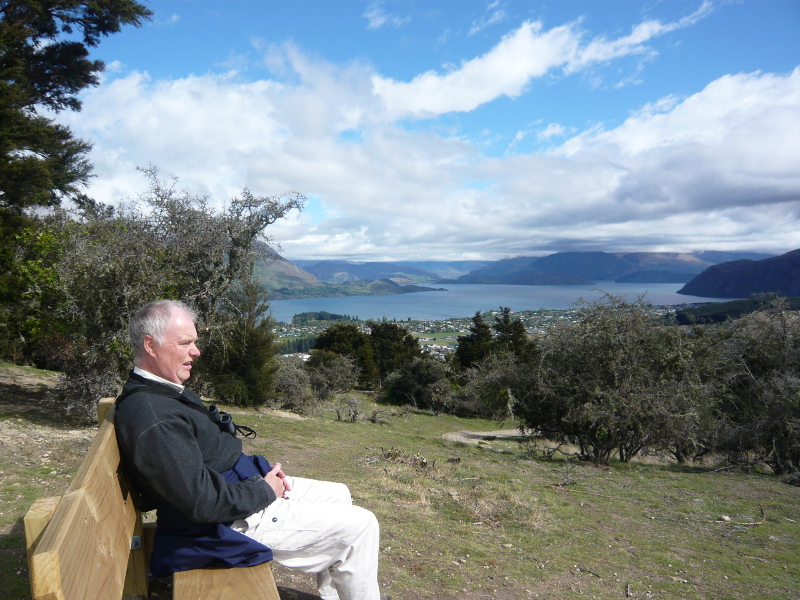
<point>464,300</point>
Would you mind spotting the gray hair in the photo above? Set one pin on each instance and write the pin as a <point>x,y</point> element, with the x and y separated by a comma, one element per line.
<point>153,320</point>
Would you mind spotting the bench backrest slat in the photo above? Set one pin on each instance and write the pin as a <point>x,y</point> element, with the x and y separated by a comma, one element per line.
<point>83,552</point>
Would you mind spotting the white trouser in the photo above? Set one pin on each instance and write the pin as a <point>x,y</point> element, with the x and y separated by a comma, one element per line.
<point>318,530</point>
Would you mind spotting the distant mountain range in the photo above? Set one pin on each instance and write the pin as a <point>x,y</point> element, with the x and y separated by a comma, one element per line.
<point>708,273</point>
<point>286,279</point>
<point>585,268</point>
<point>743,278</point>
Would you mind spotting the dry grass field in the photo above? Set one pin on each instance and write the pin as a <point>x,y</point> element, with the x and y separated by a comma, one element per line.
<point>465,521</point>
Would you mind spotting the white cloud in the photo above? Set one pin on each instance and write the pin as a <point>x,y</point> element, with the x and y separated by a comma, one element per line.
<point>602,50</point>
<point>527,53</point>
<point>376,17</point>
<point>552,130</point>
<point>505,70</point>
<point>166,21</point>
<point>498,15</point>
<point>717,169</point>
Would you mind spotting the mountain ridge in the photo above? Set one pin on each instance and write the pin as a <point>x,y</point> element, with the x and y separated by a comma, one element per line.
<point>589,267</point>
<point>743,278</point>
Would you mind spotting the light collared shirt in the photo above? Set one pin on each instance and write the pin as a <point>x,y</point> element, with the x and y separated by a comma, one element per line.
<point>149,375</point>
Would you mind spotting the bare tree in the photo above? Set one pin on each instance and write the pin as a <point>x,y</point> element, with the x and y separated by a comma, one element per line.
<point>163,244</point>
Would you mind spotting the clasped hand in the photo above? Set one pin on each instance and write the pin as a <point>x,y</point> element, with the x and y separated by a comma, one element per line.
<point>276,479</point>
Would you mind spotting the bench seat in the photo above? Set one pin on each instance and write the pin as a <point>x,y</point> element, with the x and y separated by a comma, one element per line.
<point>90,543</point>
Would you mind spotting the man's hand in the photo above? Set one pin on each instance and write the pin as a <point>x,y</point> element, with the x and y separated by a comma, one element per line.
<point>276,479</point>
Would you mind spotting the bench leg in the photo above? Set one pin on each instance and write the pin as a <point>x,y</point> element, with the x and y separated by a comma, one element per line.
<point>136,576</point>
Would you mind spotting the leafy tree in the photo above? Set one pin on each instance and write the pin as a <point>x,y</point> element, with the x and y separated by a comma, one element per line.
<point>301,344</point>
<point>422,382</point>
<point>27,290</point>
<point>613,382</point>
<point>761,405</point>
<point>511,336</point>
<point>44,64</point>
<point>392,346</point>
<point>108,263</point>
<point>348,340</point>
<point>331,373</point>
<point>476,346</point>
<point>241,364</point>
<point>616,381</point>
<point>293,385</point>
<point>499,383</point>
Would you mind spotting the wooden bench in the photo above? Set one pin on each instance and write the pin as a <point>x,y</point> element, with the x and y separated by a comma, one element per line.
<point>90,543</point>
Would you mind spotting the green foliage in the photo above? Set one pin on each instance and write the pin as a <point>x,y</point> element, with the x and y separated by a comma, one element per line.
<point>348,340</point>
<point>107,263</point>
<point>616,381</point>
<point>293,386</point>
<point>613,382</point>
<point>762,394</point>
<point>422,382</point>
<point>331,373</point>
<point>44,64</point>
<point>392,346</point>
<point>28,292</point>
<point>511,336</point>
<point>301,344</point>
<point>476,346</point>
<point>308,318</point>
<point>239,358</point>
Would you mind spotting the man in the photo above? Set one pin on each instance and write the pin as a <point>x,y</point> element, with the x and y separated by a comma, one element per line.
<point>217,506</point>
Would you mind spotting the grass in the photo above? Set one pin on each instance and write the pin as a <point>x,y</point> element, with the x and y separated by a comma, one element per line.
<point>463,522</point>
<point>499,524</point>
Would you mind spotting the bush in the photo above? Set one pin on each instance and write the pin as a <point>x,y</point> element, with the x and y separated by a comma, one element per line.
<point>423,383</point>
<point>331,373</point>
<point>293,386</point>
<point>761,405</point>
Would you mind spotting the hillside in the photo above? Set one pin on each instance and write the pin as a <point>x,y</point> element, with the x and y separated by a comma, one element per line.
<point>448,269</point>
<point>520,271</point>
<point>588,267</point>
<point>338,271</point>
<point>275,272</point>
<point>478,517</point>
<point>742,278</point>
<point>366,287</point>
<point>655,277</point>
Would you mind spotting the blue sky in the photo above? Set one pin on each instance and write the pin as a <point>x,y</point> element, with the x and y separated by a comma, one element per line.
<point>446,130</point>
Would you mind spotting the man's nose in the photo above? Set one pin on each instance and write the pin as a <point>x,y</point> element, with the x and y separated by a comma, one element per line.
<point>194,350</point>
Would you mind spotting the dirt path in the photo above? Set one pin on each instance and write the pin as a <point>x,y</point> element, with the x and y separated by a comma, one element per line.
<point>480,438</point>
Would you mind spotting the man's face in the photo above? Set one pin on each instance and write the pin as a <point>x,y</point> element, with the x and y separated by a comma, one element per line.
<point>173,360</point>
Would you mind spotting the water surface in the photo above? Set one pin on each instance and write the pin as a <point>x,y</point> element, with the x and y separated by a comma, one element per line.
<point>464,300</point>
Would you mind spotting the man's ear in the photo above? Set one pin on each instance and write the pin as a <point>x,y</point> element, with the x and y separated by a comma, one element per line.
<point>150,345</point>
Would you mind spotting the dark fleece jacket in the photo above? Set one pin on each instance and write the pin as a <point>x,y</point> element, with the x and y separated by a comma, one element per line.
<point>177,455</point>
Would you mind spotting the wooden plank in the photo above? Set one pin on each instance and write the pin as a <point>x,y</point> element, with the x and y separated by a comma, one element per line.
<point>36,519</point>
<point>137,577</point>
<point>83,552</point>
<point>103,407</point>
<point>246,583</point>
<point>149,534</point>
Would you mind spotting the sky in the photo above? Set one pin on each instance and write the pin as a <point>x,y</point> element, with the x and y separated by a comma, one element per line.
<point>465,130</point>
